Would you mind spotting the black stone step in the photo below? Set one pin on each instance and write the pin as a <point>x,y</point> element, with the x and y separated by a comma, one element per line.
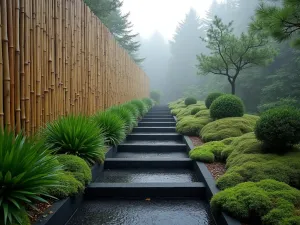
<point>147,155</point>
<point>150,163</point>
<point>152,146</point>
<point>154,136</point>
<point>158,116</point>
<point>158,120</point>
<point>146,190</point>
<point>157,124</point>
<point>154,129</point>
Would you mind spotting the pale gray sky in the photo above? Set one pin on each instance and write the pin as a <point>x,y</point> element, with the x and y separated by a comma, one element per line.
<point>161,15</point>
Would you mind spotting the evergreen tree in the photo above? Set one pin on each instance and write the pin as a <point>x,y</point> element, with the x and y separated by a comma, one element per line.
<point>109,12</point>
<point>184,47</point>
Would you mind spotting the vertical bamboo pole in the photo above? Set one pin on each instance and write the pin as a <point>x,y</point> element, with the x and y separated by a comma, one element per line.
<point>22,64</point>
<point>17,82</point>
<point>11,62</point>
<point>6,70</point>
<point>1,74</point>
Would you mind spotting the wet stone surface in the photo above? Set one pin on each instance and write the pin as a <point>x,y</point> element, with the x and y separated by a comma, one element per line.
<point>142,155</point>
<point>142,212</point>
<point>147,176</point>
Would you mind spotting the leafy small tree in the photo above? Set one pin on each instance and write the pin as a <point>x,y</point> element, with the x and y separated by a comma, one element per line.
<point>281,19</point>
<point>231,54</point>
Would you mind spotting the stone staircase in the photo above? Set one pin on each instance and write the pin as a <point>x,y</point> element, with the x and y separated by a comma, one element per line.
<point>149,180</point>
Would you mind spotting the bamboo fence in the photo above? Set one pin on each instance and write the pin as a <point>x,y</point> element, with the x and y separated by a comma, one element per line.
<point>57,58</point>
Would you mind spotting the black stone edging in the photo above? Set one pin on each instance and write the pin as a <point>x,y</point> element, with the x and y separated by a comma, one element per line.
<point>211,187</point>
<point>62,210</point>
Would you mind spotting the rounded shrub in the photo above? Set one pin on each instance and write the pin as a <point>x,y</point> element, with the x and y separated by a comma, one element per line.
<point>211,97</point>
<point>227,106</point>
<point>75,135</point>
<point>194,111</point>
<point>77,166</point>
<point>111,126</point>
<point>26,170</point>
<point>279,128</point>
<point>141,106</point>
<point>190,101</point>
<point>155,95</point>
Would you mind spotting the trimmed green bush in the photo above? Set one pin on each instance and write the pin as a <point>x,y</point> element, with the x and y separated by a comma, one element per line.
<point>68,186</point>
<point>211,97</point>
<point>155,95</point>
<point>195,110</point>
<point>126,115</point>
<point>190,101</point>
<point>26,169</point>
<point>279,128</point>
<point>141,106</point>
<point>75,135</point>
<point>189,125</point>
<point>228,127</point>
<point>269,201</point>
<point>77,166</point>
<point>112,127</point>
<point>227,106</point>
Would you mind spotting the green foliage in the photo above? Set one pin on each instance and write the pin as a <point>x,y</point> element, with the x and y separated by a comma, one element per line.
<point>155,95</point>
<point>272,202</point>
<point>68,186</point>
<point>126,115</point>
<point>202,113</point>
<point>75,135</point>
<point>279,21</point>
<point>279,128</point>
<point>195,110</point>
<point>112,127</point>
<point>227,106</point>
<point>149,102</point>
<point>190,101</point>
<point>231,54</point>
<point>26,169</point>
<point>133,109</point>
<point>211,97</point>
<point>141,106</point>
<point>228,127</point>
<point>189,125</point>
<point>77,166</point>
<point>287,102</point>
<point>177,104</point>
<point>22,214</point>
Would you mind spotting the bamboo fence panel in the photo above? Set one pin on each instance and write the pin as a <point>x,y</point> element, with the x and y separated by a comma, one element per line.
<point>57,58</point>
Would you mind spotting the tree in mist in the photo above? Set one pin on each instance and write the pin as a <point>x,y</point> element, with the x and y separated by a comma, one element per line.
<point>157,54</point>
<point>109,12</point>
<point>231,54</point>
<point>184,47</point>
<point>281,21</point>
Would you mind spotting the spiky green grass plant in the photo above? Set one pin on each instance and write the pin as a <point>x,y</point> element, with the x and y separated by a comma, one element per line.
<point>26,170</point>
<point>126,115</point>
<point>75,135</point>
<point>112,126</point>
<point>141,106</point>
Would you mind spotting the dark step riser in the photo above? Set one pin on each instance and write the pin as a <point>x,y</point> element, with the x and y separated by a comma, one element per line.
<point>154,138</point>
<point>154,129</point>
<point>150,148</point>
<point>148,164</point>
<point>154,124</point>
<point>176,192</point>
<point>158,120</point>
<point>159,111</point>
<point>158,116</point>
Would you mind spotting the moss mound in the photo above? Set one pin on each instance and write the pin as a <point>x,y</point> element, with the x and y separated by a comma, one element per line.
<point>77,166</point>
<point>202,113</point>
<point>195,110</point>
<point>190,125</point>
<point>269,201</point>
<point>211,151</point>
<point>228,127</point>
<point>68,186</point>
<point>188,110</point>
